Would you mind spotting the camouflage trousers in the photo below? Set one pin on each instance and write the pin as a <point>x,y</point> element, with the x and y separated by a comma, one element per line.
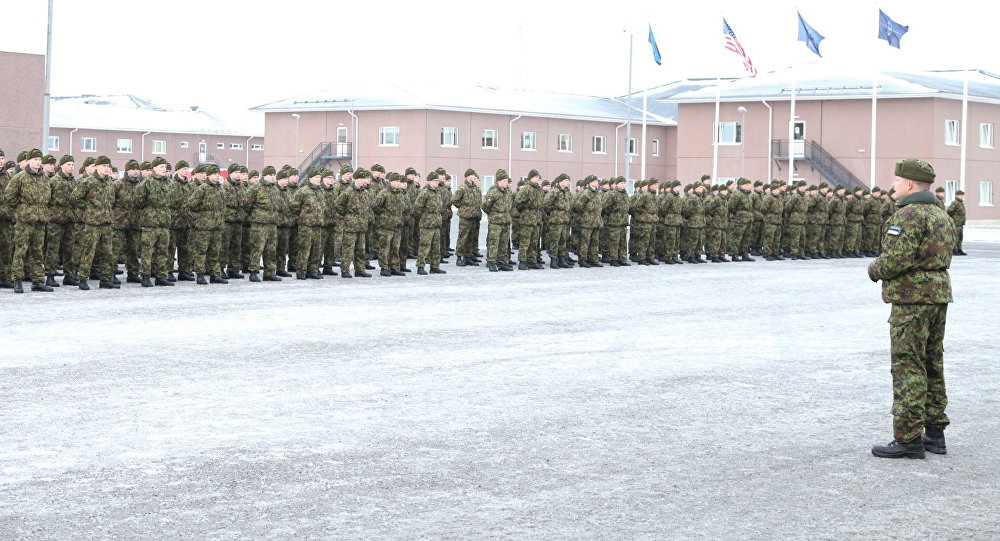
<point>155,255</point>
<point>126,244</point>
<point>355,251</point>
<point>515,231</point>
<point>94,244</point>
<point>403,251</point>
<point>919,399</point>
<point>771,239</point>
<point>835,239</point>
<point>557,241</point>
<point>869,237</point>
<point>498,243</point>
<point>232,245</point>
<point>245,246</point>
<point>528,252</point>
<point>292,247</point>
<point>574,236</point>
<point>604,241</point>
<point>206,246</point>
<point>29,244</point>
<point>310,248</point>
<point>430,244</point>
<point>330,246</point>
<point>814,238</point>
<point>59,248</point>
<point>642,240</point>
<point>960,230</point>
<point>739,238</point>
<point>6,248</point>
<point>617,242</point>
<point>180,244</point>
<point>262,245</point>
<point>714,238</point>
<point>757,233</point>
<point>468,237</point>
<point>669,237</point>
<point>796,234</point>
<point>692,239</point>
<point>281,247</point>
<point>852,237</point>
<point>388,249</point>
<point>445,237</point>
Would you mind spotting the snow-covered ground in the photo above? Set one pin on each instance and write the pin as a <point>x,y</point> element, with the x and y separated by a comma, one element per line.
<point>731,400</point>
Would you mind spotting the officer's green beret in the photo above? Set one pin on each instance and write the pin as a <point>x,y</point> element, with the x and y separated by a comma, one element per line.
<point>102,160</point>
<point>159,160</point>
<point>823,185</point>
<point>268,170</point>
<point>243,169</point>
<point>729,182</point>
<point>253,173</point>
<point>131,164</point>
<point>9,164</point>
<point>286,167</point>
<point>48,158</point>
<point>705,177</point>
<point>758,183</point>
<point>379,168</point>
<point>665,185</point>
<point>876,189</point>
<point>561,177</point>
<point>915,169</point>
<point>200,168</point>
<point>440,171</point>
<point>327,173</point>
<point>211,169</point>
<point>181,165</point>
<point>311,171</point>
<point>145,166</point>
<point>361,173</point>
<point>545,183</point>
<point>394,176</point>
<point>281,174</point>
<point>839,187</point>
<point>469,172</point>
<point>66,158</point>
<point>23,155</point>
<point>959,192</point>
<point>233,167</point>
<point>293,172</point>
<point>940,189</point>
<point>775,185</point>
<point>605,182</point>
<point>411,171</point>
<point>866,192</point>
<point>743,181</point>
<point>33,153</point>
<point>675,183</point>
<point>501,174</point>
<point>344,169</point>
<point>533,173</point>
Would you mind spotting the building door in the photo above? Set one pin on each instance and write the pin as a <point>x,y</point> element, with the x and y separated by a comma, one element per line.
<point>343,148</point>
<point>798,145</point>
<point>202,151</point>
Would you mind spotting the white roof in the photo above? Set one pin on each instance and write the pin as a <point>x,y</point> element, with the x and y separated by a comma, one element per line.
<point>359,96</point>
<point>129,113</point>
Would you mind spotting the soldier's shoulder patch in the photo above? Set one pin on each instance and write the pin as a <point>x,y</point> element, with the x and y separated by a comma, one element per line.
<point>894,230</point>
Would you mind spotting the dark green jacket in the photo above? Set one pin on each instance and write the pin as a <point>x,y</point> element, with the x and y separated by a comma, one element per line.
<point>957,212</point>
<point>669,209</point>
<point>428,207</point>
<point>95,197</point>
<point>310,205</point>
<point>497,205</point>
<point>693,211</point>
<point>594,205</point>
<point>126,215</point>
<point>388,209</point>
<point>353,204</point>
<point>556,205</point>
<point>153,200</point>
<point>528,202</point>
<point>206,205</point>
<point>61,207</point>
<point>27,197</point>
<point>467,200</point>
<point>264,202</point>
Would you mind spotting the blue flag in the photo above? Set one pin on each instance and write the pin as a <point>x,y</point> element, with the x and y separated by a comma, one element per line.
<point>890,30</point>
<point>809,35</point>
<point>656,50</point>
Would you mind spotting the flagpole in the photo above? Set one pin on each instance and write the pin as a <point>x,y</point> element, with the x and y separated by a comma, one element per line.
<point>964,129</point>
<point>628,121</point>
<point>645,101</point>
<point>715,133</point>
<point>791,135</point>
<point>874,101</point>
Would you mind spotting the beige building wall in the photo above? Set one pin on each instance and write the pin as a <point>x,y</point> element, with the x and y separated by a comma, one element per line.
<point>21,100</point>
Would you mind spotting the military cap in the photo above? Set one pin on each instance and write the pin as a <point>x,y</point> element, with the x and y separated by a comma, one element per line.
<point>212,169</point>
<point>361,173</point>
<point>131,164</point>
<point>66,158</point>
<point>545,183</point>
<point>959,192</point>
<point>858,188</point>
<point>379,168</point>
<point>411,171</point>
<point>775,185</point>
<point>345,169</point>
<point>286,167</point>
<point>605,182</point>
<point>729,182</point>
<point>102,160</point>
<point>311,171</point>
<point>327,173</point>
<point>758,183</point>
<point>253,173</point>
<point>9,164</point>
<point>589,178</point>
<point>145,166</point>
<point>114,169</point>
<point>823,185</point>
<point>940,189</point>
<point>705,177</point>
<point>48,158</point>
<point>200,168</point>
<point>33,153</point>
<point>233,167</point>
<point>561,177</point>
<point>839,187</point>
<point>534,173</point>
<point>394,176</point>
<point>876,189</point>
<point>440,171</point>
<point>159,160</point>
<point>500,175</point>
<point>469,172</point>
<point>281,174</point>
<point>243,169</point>
<point>665,185</point>
<point>23,155</point>
<point>181,165</point>
<point>865,192</point>
<point>743,181</point>
<point>914,169</point>
<point>675,183</point>
<point>293,171</point>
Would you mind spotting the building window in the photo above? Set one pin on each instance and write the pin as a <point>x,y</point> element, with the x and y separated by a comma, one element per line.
<point>631,146</point>
<point>599,144</point>
<point>235,146</point>
<point>220,146</point>
<point>53,142</point>
<point>449,137</point>
<point>528,140</point>
<point>388,136</point>
<point>491,138</point>
<point>487,182</point>
<point>88,144</point>
<point>729,133</point>
<point>950,186</point>
<point>986,135</point>
<point>986,193</point>
<point>124,146</point>
<point>565,142</point>
<point>159,147</point>
<point>184,144</point>
<point>256,146</point>
<point>656,147</point>
<point>951,133</point>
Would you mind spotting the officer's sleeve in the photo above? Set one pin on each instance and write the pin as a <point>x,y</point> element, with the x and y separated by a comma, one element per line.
<point>900,248</point>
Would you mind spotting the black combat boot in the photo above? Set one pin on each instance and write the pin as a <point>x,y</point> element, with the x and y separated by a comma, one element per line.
<point>652,262</point>
<point>421,271</point>
<point>254,276</point>
<point>385,272</point>
<point>461,261</point>
<point>342,275</point>
<point>314,276</point>
<point>201,280</point>
<point>83,285</point>
<point>146,282</point>
<point>116,281</point>
<point>615,263</point>
<point>584,264</point>
<point>300,276</point>
<point>506,267</point>
<point>160,281</point>
<point>554,263</point>
<point>218,280</point>
<point>6,284</point>
<point>171,278</point>
<point>396,272</point>
<point>108,284</point>
<point>284,274</point>
<point>369,266</point>
<point>524,266</point>
<point>51,281</point>
<point>363,274</point>
<point>133,279</point>
<point>438,271</point>
<point>404,268</point>
<point>17,287</point>
<point>643,262</point>
<point>895,449</point>
<point>328,271</point>
<point>748,258</point>
<point>933,441</point>
<point>596,263</point>
<point>492,267</point>
<point>291,268</point>
<point>624,263</point>
<point>272,278</point>
<point>235,275</point>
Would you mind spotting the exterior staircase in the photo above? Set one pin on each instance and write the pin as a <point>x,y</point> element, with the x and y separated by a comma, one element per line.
<point>326,153</point>
<point>818,159</point>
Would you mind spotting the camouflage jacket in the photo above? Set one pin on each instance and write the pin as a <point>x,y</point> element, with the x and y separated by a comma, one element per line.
<point>27,197</point>
<point>855,210</point>
<point>207,206</point>
<point>940,203</point>
<point>428,206</point>
<point>772,206</point>
<point>643,208</point>
<point>797,205</point>
<point>669,209</point>
<point>180,190</point>
<point>957,212</point>
<point>716,212</point>
<point>497,204</point>
<point>5,214</point>
<point>467,200</point>
<point>284,206</point>
<point>757,198</point>
<point>126,215</point>
<point>444,191</point>
<point>264,202</point>
<point>290,217</point>
<point>412,192</point>
<point>604,208</point>
<point>310,206</point>
<point>330,203</point>
<point>154,201</point>
<point>236,194</point>
<point>61,207</point>
<point>693,211</point>
<point>528,202</point>
<point>916,253</point>
<point>338,188</point>
<point>873,211</point>
<point>837,209</point>
<point>353,204</point>
<point>816,211</point>
<point>741,207</point>
<point>95,197</point>
<point>556,205</point>
<point>388,209</point>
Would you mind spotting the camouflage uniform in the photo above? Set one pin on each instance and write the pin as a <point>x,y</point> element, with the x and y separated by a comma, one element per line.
<point>284,229</point>
<point>59,231</point>
<point>815,222</point>
<point>403,230</point>
<point>329,228</point>
<point>556,206</point>
<point>154,201</point>
<point>837,219</point>
<point>608,212</point>
<point>263,203</point>
<point>338,243</point>
<point>852,230</point>
<point>206,205</point>
<point>669,210</point>
<point>27,198</point>
<point>644,218</point>
<point>232,233</point>
<point>717,219</point>
<point>180,227</point>
<point>353,204</point>
<point>95,196</point>
<point>6,232</point>
<point>467,200</point>
<point>428,206</point>
<point>871,224</point>
<point>528,202</point>
<point>957,212</point>
<point>388,210</point>
<point>692,236</point>
<point>796,205</point>
<point>444,192</point>
<point>126,223</point>
<point>771,207</point>
<point>914,272</point>
<point>741,210</point>
<point>309,205</point>
<point>497,204</point>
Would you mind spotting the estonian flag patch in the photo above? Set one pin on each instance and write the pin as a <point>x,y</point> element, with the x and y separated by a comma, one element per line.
<point>894,230</point>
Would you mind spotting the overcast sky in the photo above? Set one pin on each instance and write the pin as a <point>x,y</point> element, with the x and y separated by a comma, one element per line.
<point>227,53</point>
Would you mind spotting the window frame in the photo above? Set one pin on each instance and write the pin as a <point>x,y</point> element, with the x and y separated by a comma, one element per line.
<point>49,143</point>
<point>569,143</point>
<point>235,146</point>
<point>453,131</point>
<point>953,136</point>
<point>496,139</point>
<point>985,184</point>
<point>184,144</point>
<point>984,129</point>
<point>603,139</point>
<point>257,146</point>
<point>656,147</point>
<point>950,187</point>
<point>389,136</point>
<point>534,141</point>
<point>93,145</point>
<point>632,146</point>
<point>162,145</point>
<point>719,132</point>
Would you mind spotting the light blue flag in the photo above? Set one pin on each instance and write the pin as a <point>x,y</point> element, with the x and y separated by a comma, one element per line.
<point>809,35</point>
<point>656,50</point>
<point>890,30</point>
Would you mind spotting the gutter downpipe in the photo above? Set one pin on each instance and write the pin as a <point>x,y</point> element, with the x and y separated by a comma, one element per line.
<point>142,146</point>
<point>616,146</point>
<point>770,128</point>
<point>510,145</point>
<point>74,130</point>
<point>354,147</point>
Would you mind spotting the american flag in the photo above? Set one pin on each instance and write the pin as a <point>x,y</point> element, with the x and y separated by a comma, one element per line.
<point>733,44</point>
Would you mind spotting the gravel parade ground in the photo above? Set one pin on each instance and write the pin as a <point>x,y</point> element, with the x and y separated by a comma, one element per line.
<point>722,401</point>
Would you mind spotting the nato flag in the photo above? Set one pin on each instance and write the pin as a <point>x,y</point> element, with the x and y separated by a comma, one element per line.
<point>890,30</point>
<point>809,35</point>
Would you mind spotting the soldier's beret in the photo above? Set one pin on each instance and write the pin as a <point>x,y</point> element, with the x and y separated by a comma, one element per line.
<point>131,164</point>
<point>501,174</point>
<point>411,171</point>
<point>145,166</point>
<point>293,172</point>
<point>102,160</point>
<point>66,158</point>
<point>960,192</point>
<point>281,174</point>
<point>665,185</point>
<point>327,173</point>
<point>181,165</point>
<point>743,181</point>
<point>824,185</point>
<point>9,164</point>
<point>48,158</point>
<point>286,167</point>
<point>344,169</point>
<point>253,173</point>
<point>447,177</point>
<point>233,167</point>
<point>311,171</point>
<point>200,168</point>
<point>758,183</point>
<point>545,183</point>
<point>156,161</point>
<point>915,169</point>
<point>33,153</point>
<point>379,168</point>
<point>561,177</point>
<point>866,192</point>
<point>268,170</point>
<point>775,185</point>
<point>839,187</point>
<point>470,172</point>
<point>876,189</point>
<point>23,155</point>
<point>243,169</point>
<point>361,173</point>
<point>940,189</point>
<point>604,182</point>
<point>396,177</point>
<point>705,177</point>
<point>675,183</point>
<point>440,171</point>
<point>212,169</point>
<point>533,173</point>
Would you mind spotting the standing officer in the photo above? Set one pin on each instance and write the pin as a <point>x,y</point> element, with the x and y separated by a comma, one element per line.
<point>126,221</point>
<point>557,206</point>
<point>96,197</point>
<point>309,205</point>
<point>957,212</point>
<point>528,203</point>
<point>428,207</point>
<point>235,215</point>
<point>913,268</point>
<point>180,228</point>
<point>206,205</point>
<point>28,195</point>
<point>669,210</point>
<point>153,199</point>
<point>355,207</point>
<point>263,201</point>
<point>388,210</point>
<point>59,231</point>
<point>497,205</point>
<point>467,200</point>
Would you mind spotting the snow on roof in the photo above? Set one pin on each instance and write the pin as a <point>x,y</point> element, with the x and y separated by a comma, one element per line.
<point>367,96</point>
<point>823,82</point>
<point>129,113</point>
